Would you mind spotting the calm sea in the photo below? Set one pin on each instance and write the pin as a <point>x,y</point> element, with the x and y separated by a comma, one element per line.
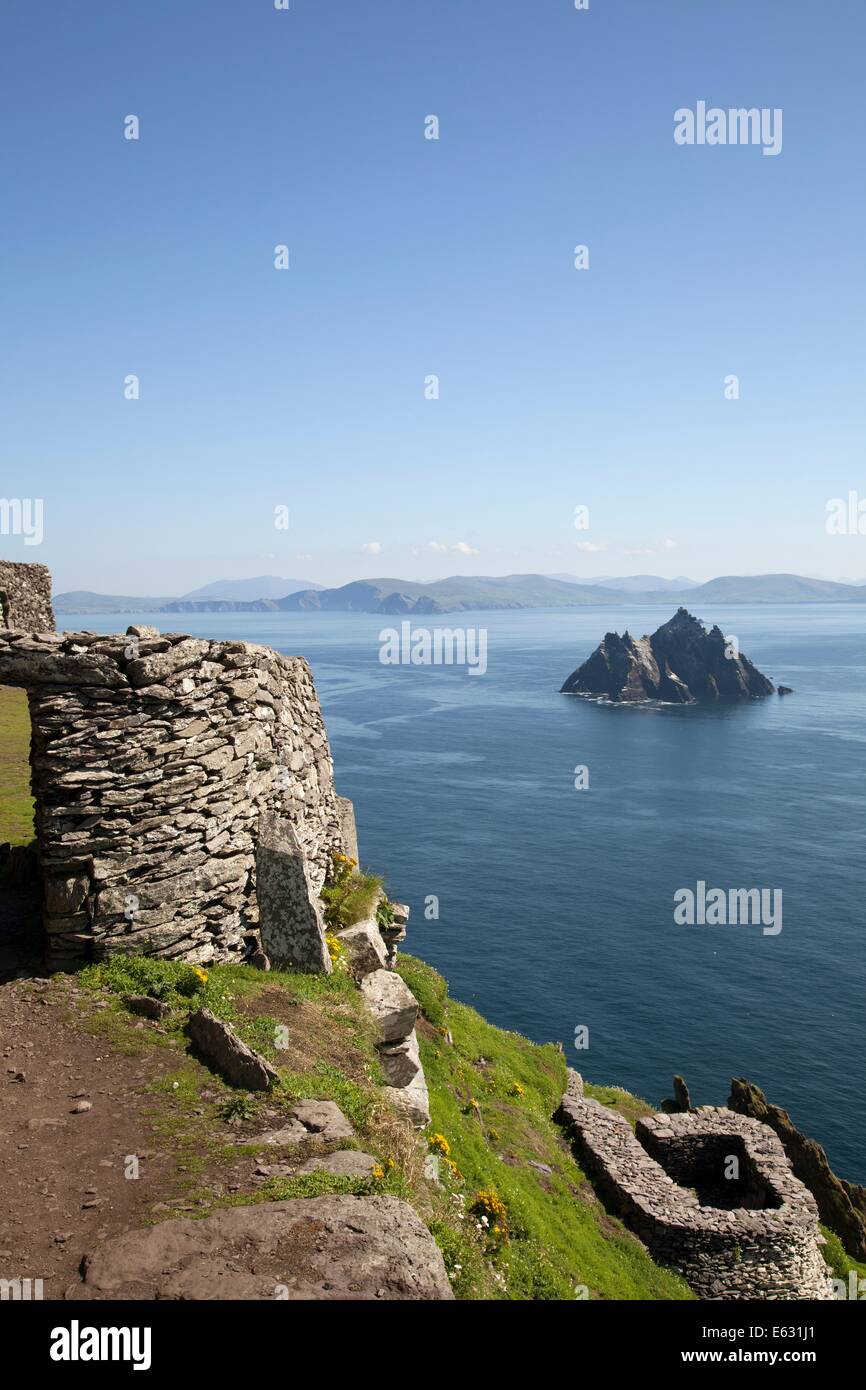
<point>556,905</point>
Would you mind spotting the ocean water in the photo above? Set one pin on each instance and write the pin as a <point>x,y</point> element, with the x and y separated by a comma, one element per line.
<point>556,906</point>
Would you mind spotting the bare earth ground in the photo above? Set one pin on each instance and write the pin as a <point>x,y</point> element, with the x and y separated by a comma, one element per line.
<point>63,1183</point>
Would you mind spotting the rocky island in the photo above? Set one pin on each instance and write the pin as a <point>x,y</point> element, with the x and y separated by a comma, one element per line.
<point>681,663</point>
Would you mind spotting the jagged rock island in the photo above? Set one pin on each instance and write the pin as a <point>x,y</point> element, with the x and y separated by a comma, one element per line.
<point>681,663</point>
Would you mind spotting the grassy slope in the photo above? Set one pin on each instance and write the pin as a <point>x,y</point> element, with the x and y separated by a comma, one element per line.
<point>560,1239</point>
<point>16,803</point>
<point>492,1095</point>
<point>840,1262</point>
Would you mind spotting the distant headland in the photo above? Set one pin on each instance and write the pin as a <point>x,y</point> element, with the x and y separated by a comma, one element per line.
<point>462,593</point>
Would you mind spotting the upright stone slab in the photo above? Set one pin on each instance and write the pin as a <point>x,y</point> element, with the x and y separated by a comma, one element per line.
<point>348,828</point>
<point>290,920</point>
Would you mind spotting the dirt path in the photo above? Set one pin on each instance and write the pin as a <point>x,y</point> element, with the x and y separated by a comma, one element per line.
<point>63,1183</point>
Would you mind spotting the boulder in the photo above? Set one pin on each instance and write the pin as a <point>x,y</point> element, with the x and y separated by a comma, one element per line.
<point>323,1118</point>
<point>412,1101</point>
<point>146,1007</point>
<point>220,1044</point>
<point>345,1163</point>
<point>331,1248</point>
<point>392,1004</point>
<point>401,1060</point>
<point>287,1136</point>
<point>365,948</point>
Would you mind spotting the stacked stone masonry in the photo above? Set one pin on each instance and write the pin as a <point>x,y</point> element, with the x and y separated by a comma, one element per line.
<point>753,1236</point>
<point>25,597</point>
<point>154,756</point>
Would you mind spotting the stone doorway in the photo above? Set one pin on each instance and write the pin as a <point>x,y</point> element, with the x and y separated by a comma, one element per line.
<point>20,915</point>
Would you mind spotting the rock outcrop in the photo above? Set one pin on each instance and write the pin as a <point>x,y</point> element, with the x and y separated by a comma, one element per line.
<point>392,1004</point>
<point>681,1101</point>
<point>365,949</point>
<point>681,663</point>
<point>220,1045</point>
<point>330,1248</point>
<point>395,1010</point>
<point>842,1205</point>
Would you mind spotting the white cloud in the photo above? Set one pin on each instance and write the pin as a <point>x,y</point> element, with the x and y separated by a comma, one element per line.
<point>591,547</point>
<point>669,544</point>
<point>461,548</point>
<point>646,551</point>
<point>372,548</point>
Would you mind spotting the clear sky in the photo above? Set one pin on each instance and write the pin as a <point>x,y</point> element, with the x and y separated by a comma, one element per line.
<point>410,257</point>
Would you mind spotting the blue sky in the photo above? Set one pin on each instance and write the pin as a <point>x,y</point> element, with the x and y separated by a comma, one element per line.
<point>410,257</point>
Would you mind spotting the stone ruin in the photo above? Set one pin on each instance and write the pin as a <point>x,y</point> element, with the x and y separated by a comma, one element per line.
<point>180,784</point>
<point>25,597</point>
<point>735,1230</point>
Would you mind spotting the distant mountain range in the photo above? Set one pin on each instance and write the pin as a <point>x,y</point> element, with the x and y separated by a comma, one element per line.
<point>466,593</point>
<point>220,596</point>
<point>633,583</point>
<point>266,586</point>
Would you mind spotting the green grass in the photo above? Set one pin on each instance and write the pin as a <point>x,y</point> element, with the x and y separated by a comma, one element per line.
<point>841,1263</point>
<point>615,1098</point>
<point>182,1118</point>
<point>16,803</point>
<point>492,1094</point>
<point>350,896</point>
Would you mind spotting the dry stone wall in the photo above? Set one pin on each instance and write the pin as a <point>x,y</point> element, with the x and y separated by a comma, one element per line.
<point>766,1248</point>
<point>25,597</point>
<point>154,758</point>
